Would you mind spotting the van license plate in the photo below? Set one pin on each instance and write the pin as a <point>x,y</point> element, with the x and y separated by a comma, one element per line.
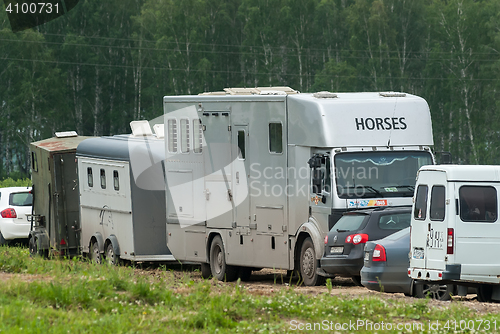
<point>418,253</point>
<point>337,250</point>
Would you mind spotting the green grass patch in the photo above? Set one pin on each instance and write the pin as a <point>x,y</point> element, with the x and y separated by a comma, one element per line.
<point>76,296</point>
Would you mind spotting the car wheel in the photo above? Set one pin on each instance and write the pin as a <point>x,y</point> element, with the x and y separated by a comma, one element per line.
<point>2,240</point>
<point>111,256</point>
<point>484,293</point>
<point>357,280</point>
<point>205,270</point>
<point>308,264</point>
<point>95,254</point>
<point>434,291</point>
<point>218,266</point>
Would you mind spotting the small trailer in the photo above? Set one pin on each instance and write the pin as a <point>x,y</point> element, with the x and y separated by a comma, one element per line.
<point>55,220</point>
<point>455,230</point>
<point>122,197</point>
<point>258,176</point>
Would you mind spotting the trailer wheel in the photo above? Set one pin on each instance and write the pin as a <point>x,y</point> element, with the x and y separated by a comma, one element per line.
<point>111,257</point>
<point>218,265</point>
<point>484,293</point>
<point>205,270</point>
<point>95,255</point>
<point>308,264</point>
<point>32,247</point>
<point>434,291</point>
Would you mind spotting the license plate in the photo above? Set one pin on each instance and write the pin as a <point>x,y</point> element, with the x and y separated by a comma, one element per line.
<point>367,256</point>
<point>418,253</point>
<point>337,250</point>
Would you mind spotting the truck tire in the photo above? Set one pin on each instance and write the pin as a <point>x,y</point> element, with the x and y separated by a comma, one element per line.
<point>434,291</point>
<point>484,293</point>
<point>308,264</point>
<point>218,266</point>
<point>111,257</point>
<point>205,270</point>
<point>95,254</point>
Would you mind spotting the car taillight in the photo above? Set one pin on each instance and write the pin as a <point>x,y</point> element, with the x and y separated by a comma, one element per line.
<point>360,238</point>
<point>9,213</point>
<point>449,242</point>
<point>379,253</point>
<point>326,239</point>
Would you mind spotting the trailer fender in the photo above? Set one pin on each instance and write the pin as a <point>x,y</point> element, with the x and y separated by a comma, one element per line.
<point>41,239</point>
<point>100,241</point>
<point>311,229</point>
<point>114,242</point>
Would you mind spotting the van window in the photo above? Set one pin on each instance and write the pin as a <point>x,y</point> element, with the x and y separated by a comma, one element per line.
<point>172,135</point>
<point>116,180</point>
<point>197,136</point>
<point>478,204</point>
<point>437,203</point>
<point>420,203</point>
<point>184,136</point>
<point>241,143</point>
<point>90,177</point>
<point>275,138</point>
<point>396,221</point>
<point>103,179</point>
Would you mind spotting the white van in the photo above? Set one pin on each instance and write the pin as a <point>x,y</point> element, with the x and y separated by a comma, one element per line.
<point>455,231</point>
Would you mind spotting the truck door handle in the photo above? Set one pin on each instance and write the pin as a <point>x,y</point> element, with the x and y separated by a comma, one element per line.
<point>237,177</point>
<point>230,195</point>
<point>207,194</point>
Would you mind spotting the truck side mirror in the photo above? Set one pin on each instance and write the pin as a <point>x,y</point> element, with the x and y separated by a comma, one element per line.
<point>314,162</point>
<point>317,180</point>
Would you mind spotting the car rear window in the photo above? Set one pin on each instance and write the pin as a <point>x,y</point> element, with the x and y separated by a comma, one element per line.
<point>21,199</point>
<point>395,221</point>
<point>349,223</point>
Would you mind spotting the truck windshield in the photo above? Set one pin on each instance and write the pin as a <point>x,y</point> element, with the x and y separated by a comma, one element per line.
<point>378,174</point>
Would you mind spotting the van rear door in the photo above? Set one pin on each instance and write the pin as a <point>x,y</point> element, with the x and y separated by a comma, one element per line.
<point>428,230</point>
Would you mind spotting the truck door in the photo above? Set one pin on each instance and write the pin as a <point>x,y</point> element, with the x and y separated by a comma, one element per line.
<point>433,205</point>
<point>218,170</point>
<point>241,170</point>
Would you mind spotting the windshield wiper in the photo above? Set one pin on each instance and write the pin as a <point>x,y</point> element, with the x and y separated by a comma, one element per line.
<point>373,190</point>
<point>343,230</point>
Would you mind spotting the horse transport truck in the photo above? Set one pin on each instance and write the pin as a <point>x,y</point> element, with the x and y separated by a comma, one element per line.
<point>256,177</point>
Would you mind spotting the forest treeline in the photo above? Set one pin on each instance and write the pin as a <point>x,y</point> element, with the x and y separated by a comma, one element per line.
<point>106,63</point>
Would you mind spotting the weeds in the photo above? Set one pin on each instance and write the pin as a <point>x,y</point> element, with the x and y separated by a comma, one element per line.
<point>82,297</point>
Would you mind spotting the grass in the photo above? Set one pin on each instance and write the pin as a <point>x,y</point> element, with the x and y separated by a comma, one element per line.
<point>75,296</point>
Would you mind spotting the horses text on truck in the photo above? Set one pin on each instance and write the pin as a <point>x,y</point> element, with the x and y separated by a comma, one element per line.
<point>455,232</point>
<point>257,177</point>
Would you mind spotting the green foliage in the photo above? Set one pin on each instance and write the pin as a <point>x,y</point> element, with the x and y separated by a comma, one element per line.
<point>106,63</point>
<point>9,182</point>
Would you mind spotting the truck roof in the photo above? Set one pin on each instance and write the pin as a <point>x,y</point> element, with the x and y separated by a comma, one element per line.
<point>474,173</point>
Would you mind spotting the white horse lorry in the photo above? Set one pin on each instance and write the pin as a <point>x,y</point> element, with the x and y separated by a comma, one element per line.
<point>256,177</point>
<point>455,231</point>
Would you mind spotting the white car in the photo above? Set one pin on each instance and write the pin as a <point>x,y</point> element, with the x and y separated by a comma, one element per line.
<point>15,205</point>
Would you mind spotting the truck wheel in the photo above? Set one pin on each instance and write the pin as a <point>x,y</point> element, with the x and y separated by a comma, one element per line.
<point>484,293</point>
<point>308,264</point>
<point>218,265</point>
<point>111,256</point>
<point>95,255</point>
<point>434,291</point>
<point>205,270</point>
